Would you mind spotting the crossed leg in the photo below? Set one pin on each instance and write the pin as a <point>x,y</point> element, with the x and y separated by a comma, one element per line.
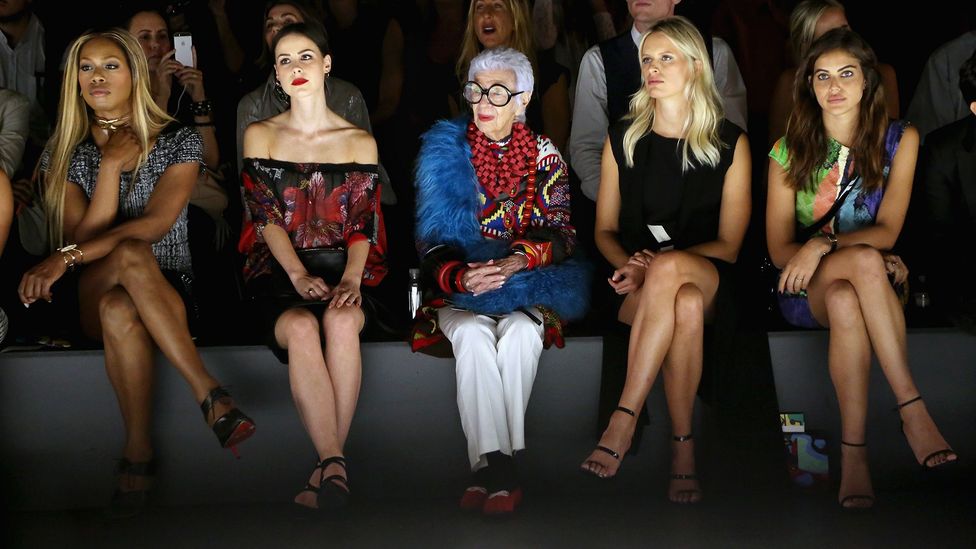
<point>667,317</point>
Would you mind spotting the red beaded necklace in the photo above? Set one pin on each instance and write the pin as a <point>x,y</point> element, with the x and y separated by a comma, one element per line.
<point>502,173</point>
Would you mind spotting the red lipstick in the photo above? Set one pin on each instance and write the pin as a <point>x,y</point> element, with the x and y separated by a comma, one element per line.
<point>298,81</point>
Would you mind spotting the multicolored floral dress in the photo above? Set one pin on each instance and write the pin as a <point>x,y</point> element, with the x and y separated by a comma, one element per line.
<point>859,209</point>
<point>319,206</point>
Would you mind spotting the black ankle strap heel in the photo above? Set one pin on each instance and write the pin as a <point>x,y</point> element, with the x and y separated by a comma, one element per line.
<point>907,402</point>
<point>127,504</point>
<point>333,489</point>
<point>233,427</point>
<point>627,411</point>
<point>854,444</point>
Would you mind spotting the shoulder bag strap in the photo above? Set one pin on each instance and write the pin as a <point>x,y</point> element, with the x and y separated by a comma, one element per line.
<point>804,233</point>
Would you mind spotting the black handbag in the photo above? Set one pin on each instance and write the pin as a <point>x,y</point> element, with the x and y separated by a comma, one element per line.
<point>326,263</point>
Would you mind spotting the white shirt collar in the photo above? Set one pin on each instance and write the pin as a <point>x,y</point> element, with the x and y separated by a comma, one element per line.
<point>636,35</point>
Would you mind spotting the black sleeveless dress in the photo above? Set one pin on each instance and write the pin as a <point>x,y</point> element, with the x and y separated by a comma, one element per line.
<point>655,192</point>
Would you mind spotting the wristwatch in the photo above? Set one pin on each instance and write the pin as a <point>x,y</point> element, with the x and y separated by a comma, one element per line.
<point>832,239</point>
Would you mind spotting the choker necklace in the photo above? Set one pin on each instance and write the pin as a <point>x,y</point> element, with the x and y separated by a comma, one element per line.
<point>112,124</point>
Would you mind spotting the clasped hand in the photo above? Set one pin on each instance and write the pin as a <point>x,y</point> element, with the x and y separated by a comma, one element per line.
<point>630,277</point>
<point>492,274</point>
<point>344,294</point>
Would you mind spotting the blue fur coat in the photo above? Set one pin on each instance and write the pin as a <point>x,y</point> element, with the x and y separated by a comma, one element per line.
<point>447,213</point>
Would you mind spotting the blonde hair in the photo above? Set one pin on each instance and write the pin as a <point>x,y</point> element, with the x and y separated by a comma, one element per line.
<point>701,140</point>
<point>521,36</point>
<point>803,23</point>
<point>73,124</point>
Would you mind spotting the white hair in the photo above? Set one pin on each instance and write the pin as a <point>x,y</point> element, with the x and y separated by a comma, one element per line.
<point>505,59</point>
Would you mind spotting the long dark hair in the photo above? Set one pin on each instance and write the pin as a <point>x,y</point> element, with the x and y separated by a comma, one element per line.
<point>805,133</point>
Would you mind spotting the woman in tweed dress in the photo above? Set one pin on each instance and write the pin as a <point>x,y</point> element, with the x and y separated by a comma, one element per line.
<point>117,175</point>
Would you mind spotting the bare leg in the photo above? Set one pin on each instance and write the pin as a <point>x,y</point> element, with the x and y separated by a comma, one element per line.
<point>133,267</point>
<point>682,374</point>
<point>650,339</point>
<point>850,366</point>
<point>129,365</point>
<point>344,361</point>
<point>884,320</point>
<point>318,394</point>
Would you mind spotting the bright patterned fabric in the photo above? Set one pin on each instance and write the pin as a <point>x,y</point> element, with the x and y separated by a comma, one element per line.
<point>501,217</point>
<point>318,205</point>
<point>860,208</point>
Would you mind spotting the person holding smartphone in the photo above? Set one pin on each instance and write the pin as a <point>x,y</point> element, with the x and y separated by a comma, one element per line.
<point>178,88</point>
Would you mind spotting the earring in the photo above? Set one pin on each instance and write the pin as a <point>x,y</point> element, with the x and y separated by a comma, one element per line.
<point>279,93</point>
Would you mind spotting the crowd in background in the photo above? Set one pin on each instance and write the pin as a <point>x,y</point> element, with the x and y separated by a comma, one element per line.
<point>610,148</point>
<point>404,58</point>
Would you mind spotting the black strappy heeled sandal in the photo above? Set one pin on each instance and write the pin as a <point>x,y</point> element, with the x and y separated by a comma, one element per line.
<point>938,453</point>
<point>129,503</point>
<point>233,427</point>
<point>684,476</point>
<point>333,495</point>
<point>856,497</point>
<point>613,453</point>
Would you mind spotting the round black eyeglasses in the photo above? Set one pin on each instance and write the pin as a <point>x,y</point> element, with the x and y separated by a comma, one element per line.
<point>498,95</point>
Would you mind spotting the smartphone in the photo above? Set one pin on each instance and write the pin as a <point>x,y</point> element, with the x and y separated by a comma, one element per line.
<point>183,44</point>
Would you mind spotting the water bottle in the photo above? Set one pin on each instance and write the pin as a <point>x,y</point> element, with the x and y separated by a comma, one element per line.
<point>921,294</point>
<point>413,293</point>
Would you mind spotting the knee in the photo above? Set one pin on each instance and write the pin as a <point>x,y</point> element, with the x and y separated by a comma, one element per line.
<point>689,306</point>
<point>344,320</point>
<point>134,253</point>
<point>868,262</point>
<point>132,258</point>
<point>665,270</point>
<point>117,313</point>
<point>473,332</point>
<point>295,326</point>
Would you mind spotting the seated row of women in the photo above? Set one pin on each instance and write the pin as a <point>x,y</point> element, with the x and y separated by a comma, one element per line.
<point>496,244</point>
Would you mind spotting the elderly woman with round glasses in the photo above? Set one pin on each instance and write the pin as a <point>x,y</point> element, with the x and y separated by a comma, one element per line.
<point>496,244</point>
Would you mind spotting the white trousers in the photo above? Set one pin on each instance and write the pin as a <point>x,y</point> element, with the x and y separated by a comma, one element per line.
<point>496,366</point>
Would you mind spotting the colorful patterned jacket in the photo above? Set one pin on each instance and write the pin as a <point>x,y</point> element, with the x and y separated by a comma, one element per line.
<point>457,222</point>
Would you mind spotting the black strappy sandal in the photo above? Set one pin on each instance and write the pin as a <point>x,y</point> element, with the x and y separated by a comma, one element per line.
<point>938,453</point>
<point>129,503</point>
<point>856,497</point>
<point>333,495</point>
<point>312,490</point>
<point>684,476</point>
<point>233,427</point>
<point>613,453</point>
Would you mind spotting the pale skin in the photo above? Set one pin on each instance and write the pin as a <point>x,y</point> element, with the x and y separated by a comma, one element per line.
<point>496,123</point>
<point>670,295</point>
<point>325,386</point>
<point>125,301</point>
<point>848,289</point>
